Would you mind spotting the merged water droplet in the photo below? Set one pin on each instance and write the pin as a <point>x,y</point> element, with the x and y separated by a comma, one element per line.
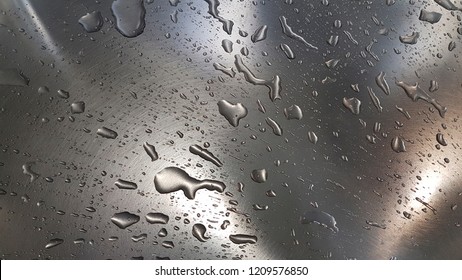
<point>321,218</point>
<point>125,185</point>
<point>27,169</point>
<point>151,151</point>
<point>243,239</point>
<point>312,137</point>
<point>157,218</point>
<point>382,83</point>
<point>331,63</point>
<point>213,10</point>
<point>375,100</point>
<point>259,175</point>
<point>129,16</point>
<point>173,179</point>
<point>287,30</point>
<point>92,22</point>
<point>205,154</point>
<point>198,231</point>
<point>138,238</point>
<point>226,70</point>
<point>353,104</point>
<point>125,219</point>
<point>107,133</point>
<point>233,113</point>
<point>259,34</point>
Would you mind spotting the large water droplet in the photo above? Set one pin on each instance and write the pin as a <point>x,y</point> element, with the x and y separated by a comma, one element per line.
<point>259,175</point>
<point>125,185</point>
<point>227,45</point>
<point>106,133</point>
<point>173,179</point>
<point>321,218</point>
<point>78,107</point>
<point>397,144</point>
<point>233,113</point>
<point>205,154</point>
<point>243,239</point>
<point>92,22</point>
<point>129,15</point>
<point>431,17</point>
<point>157,218</point>
<point>198,231</point>
<point>125,219</point>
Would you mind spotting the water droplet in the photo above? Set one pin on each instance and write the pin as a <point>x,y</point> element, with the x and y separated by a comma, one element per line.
<point>198,231</point>
<point>409,39</point>
<point>205,154</point>
<point>397,144</point>
<point>407,214</point>
<point>259,34</point>
<point>63,94</point>
<point>312,137</point>
<point>151,151</point>
<point>353,104</point>
<point>243,239</point>
<point>333,40</point>
<point>92,22</point>
<point>287,51</point>
<point>173,179</point>
<point>53,243</point>
<point>106,133</point>
<point>259,175</point>
<point>259,207</point>
<point>293,112</point>
<point>213,10</point>
<point>157,218</point>
<point>451,46</point>
<point>431,17</point>
<point>173,3</point>
<point>129,15</point>
<point>375,99</point>
<point>138,238</point>
<point>233,113</point>
<point>78,107</point>
<point>228,71</point>
<point>274,84</point>
<point>441,140</point>
<point>225,224</point>
<point>287,30</point>
<point>174,16</point>
<point>332,63</point>
<point>125,185</point>
<point>277,130</point>
<point>125,219</point>
<point>12,77</point>
<point>382,83</point>
<point>321,218</point>
<point>79,241</point>
<point>227,45</point>
<point>43,90</point>
<point>168,244</point>
<point>27,170</point>
<point>447,4</point>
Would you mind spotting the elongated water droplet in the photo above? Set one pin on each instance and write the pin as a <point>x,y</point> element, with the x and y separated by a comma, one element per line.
<point>274,126</point>
<point>261,107</point>
<point>431,17</point>
<point>259,175</point>
<point>125,185</point>
<point>172,179</point>
<point>274,84</point>
<point>375,100</point>
<point>53,243</point>
<point>441,140</point>
<point>213,11</point>
<point>409,39</point>
<point>198,231</point>
<point>226,70</point>
<point>259,34</point>
<point>447,4</point>
<point>227,45</point>
<point>63,94</point>
<point>78,107</point>
<point>233,113</point>
<point>225,224</point>
<point>293,113</point>
<point>157,218</point>
<point>125,219</point>
<point>397,144</point>
<point>287,51</point>
<point>287,30</point>
<point>312,137</point>
<point>106,133</point>
<point>353,104</point>
<point>321,218</point>
<point>27,169</point>
<point>382,83</point>
<point>151,151</point>
<point>138,238</point>
<point>92,22</point>
<point>205,154</point>
<point>451,46</point>
<point>12,77</point>
<point>129,16</point>
<point>243,239</point>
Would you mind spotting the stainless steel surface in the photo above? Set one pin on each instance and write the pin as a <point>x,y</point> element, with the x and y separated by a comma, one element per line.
<point>338,195</point>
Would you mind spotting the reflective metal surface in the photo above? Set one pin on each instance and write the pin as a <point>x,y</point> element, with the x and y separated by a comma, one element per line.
<point>340,180</point>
